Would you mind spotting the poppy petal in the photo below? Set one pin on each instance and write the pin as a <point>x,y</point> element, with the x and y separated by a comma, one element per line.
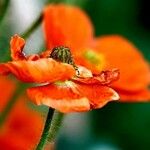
<point>120,53</point>
<point>83,72</point>
<point>39,71</point>
<point>139,96</point>
<point>98,95</point>
<point>72,97</point>
<point>103,78</point>
<point>64,98</point>
<point>68,26</point>
<point>16,46</point>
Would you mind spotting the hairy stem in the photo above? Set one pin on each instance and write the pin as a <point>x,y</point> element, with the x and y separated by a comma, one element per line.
<point>51,128</point>
<point>44,135</point>
<point>55,126</point>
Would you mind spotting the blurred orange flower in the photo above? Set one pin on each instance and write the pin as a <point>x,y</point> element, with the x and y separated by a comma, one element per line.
<point>10,87</point>
<point>18,132</point>
<point>81,92</point>
<point>70,26</point>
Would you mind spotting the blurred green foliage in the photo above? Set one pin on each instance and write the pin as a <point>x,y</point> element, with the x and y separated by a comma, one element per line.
<point>125,125</point>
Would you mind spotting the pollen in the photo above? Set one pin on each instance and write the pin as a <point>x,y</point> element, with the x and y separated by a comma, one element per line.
<point>95,58</point>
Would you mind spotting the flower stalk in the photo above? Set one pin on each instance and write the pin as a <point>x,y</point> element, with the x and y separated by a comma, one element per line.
<point>55,125</point>
<point>52,125</point>
<point>37,22</point>
<point>33,27</point>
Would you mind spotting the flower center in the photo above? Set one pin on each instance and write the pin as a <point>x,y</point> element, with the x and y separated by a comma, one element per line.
<point>95,58</point>
<point>63,54</point>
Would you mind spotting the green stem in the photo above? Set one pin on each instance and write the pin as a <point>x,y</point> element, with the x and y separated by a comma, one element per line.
<point>55,125</point>
<point>33,27</point>
<point>37,22</point>
<point>51,128</point>
<point>3,9</point>
<point>44,135</point>
<point>4,114</point>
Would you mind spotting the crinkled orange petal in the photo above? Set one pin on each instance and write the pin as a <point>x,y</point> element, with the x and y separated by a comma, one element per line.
<point>138,96</point>
<point>98,95</point>
<point>45,54</point>
<point>68,26</point>
<point>33,57</point>
<point>72,97</point>
<point>120,53</point>
<point>83,72</point>
<point>39,71</point>
<point>16,46</point>
<point>63,98</point>
<point>103,78</point>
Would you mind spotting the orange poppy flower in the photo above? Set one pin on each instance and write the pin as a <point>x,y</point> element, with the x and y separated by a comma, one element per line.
<point>68,25</point>
<point>66,90</point>
<point>18,132</point>
<point>10,87</point>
